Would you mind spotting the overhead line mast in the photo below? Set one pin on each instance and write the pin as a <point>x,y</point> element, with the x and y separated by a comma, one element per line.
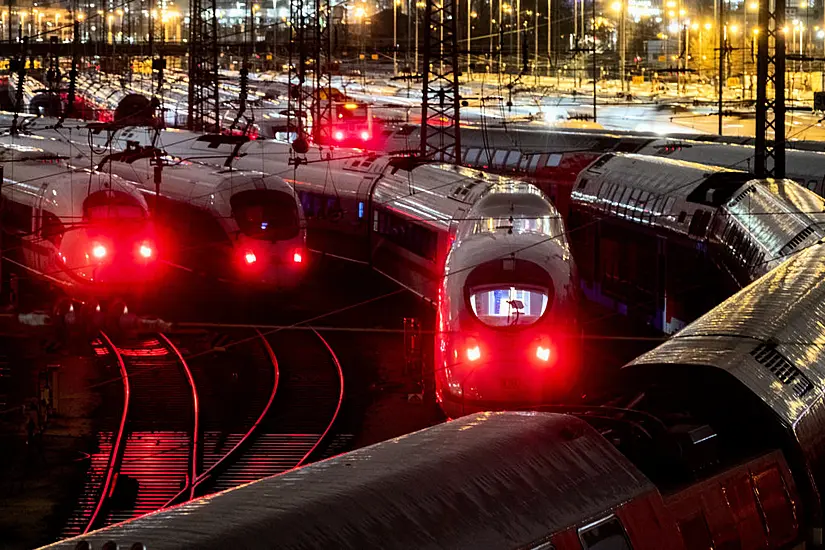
<point>204,105</point>
<point>440,112</point>
<point>770,73</point>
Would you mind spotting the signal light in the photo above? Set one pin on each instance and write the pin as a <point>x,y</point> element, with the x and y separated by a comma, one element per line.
<point>365,135</point>
<point>145,251</point>
<point>473,351</point>
<point>350,106</point>
<point>99,251</point>
<point>250,258</point>
<point>545,351</point>
<point>297,257</point>
<point>339,135</point>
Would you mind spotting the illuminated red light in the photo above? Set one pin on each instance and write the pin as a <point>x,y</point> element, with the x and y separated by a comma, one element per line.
<point>473,351</point>
<point>543,353</point>
<point>339,136</point>
<point>365,135</point>
<point>250,258</point>
<point>99,251</point>
<point>145,251</point>
<point>297,257</point>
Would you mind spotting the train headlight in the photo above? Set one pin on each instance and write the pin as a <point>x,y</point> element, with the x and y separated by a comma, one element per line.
<point>365,136</point>
<point>297,256</point>
<point>339,135</point>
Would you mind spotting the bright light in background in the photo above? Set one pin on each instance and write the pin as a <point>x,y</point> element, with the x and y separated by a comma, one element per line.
<point>146,251</point>
<point>99,251</point>
<point>297,257</point>
<point>616,6</point>
<point>339,135</point>
<point>365,135</point>
<point>543,353</point>
<point>250,258</point>
<point>673,28</point>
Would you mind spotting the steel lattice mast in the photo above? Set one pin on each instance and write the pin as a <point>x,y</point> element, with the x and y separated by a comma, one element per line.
<point>770,72</point>
<point>204,104</point>
<point>440,134</point>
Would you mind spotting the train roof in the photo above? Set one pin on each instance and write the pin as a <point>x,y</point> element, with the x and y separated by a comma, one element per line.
<point>490,480</point>
<point>766,344</point>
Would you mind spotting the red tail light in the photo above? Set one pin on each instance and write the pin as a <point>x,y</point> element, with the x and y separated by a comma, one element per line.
<point>339,135</point>
<point>99,251</point>
<point>297,257</point>
<point>250,257</point>
<point>146,251</point>
<point>473,351</point>
<point>365,135</point>
<point>545,352</point>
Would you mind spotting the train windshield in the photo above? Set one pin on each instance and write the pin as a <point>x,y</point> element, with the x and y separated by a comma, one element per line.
<point>113,205</point>
<point>502,306</point>
<point>266,214</point>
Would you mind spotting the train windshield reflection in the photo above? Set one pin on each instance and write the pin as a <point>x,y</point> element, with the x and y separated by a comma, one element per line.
<point>508,306</point>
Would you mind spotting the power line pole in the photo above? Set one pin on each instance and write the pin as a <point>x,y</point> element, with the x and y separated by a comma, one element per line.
<point>203,66</point>
<point>593,29</point>
<point>770,69</point>
<point>440,133</point>
<point>722,50</point>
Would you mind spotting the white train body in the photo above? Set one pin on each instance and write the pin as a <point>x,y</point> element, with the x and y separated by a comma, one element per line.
<point>231,225</point>
<point>86,232</point>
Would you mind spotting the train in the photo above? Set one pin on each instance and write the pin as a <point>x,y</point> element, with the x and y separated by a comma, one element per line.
<point>710,440</point>
<point>84,232</point>
<point>664,240</point>
<point>230,226</point>
<point>462,240</point>
<point>553,158</point>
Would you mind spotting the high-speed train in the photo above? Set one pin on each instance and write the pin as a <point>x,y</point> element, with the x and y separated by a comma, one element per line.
<point>711,440</point>
<point>235,226</point>
<point>85,232</point>
<point>491,253</point>
<point>666,240</point>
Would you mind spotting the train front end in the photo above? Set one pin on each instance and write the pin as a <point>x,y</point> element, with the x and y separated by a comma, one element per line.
<point>507,308</point>
<point>270,237</point>
<point>112,254</point>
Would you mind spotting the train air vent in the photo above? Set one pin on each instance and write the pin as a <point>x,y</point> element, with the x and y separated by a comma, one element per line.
<point>788,374</point>
<point>742,195</point>
<point>796,241</point>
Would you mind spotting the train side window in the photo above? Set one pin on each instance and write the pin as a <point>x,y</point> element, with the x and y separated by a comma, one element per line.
<point>554,160</point>
<point>669,204</point>
<point>500,157</point>
<point>513,159</point>
<point>777,510</point>
<point>695,532</point>
<point>605,534</point>
<point>51,228</point>
<point>471,158</point>
<point>533,164</point>
<point>811,184</point>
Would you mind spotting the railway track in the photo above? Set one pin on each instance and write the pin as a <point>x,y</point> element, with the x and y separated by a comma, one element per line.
<point>153,453</point>
<point>190,428</point>
<point>299,421</point>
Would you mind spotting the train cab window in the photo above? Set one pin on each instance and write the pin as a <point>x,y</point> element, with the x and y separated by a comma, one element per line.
<point>508,306</point>
<point>112,205</point>
<point>265,214</point>
<point>51,228</point>
<point>16,217</point>
<point>605,534</point>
